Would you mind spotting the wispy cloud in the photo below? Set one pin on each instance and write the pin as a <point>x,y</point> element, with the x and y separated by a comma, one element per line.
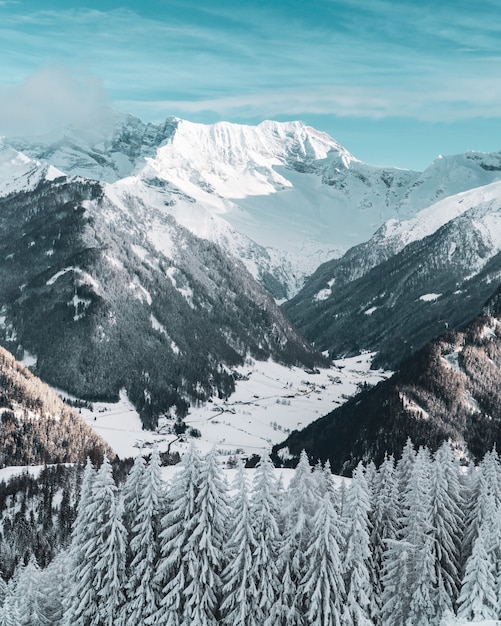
<point>53,97</point>
<point>371,58</point>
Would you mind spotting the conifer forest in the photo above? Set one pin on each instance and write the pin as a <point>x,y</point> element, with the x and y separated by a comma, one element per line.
<point>413,542</point>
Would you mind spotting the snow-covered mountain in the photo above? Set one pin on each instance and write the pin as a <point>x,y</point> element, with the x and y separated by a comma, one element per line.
<point>103,291</point>
<point>410,281</point>
<point>282,197</point>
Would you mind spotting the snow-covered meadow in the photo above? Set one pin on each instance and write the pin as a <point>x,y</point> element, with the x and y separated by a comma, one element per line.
<point>270,400</point>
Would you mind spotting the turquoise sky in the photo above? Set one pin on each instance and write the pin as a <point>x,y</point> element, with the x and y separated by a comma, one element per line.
<point>396,83</point>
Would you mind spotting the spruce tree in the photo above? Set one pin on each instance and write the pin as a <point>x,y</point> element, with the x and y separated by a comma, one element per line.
<point>204,550</point>
<point>477,600</point>
<point>177,525</point>
<point>141,590</point>
<point>239,592</point>
<point>132,491</point>
<point>108,554</point>
<point>358,558</point>
<point>322,587</point>
<point>264,522</point>
<point>297,515</point>
<point>385,522</point>
<point>447,524</point>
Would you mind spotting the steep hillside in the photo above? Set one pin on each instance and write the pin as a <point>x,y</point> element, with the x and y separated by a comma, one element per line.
<point>36,427</point>
<point>407,284</point>
<point>107,292</point>
<point>449,390</point>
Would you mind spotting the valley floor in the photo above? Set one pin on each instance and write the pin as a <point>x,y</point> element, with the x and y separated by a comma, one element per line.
<point>270,400</point>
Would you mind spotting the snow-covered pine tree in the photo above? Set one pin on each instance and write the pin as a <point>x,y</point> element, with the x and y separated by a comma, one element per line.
<point>447,523</point>
<point>385,523</point>
<point>141,591</point>
<point>3,589</point>
<point>484,499</point>
<point>297,516</point>
<point>204,549</point>
<point>178,524</point>
<point>264,522</point>
<point>97,553</point>
<point>132,491</point>
<point>358,559</point>
<point>80,603</point>
<point>404,467</point>
<point>395,581</point>
<point>417,531</point>
<point>56,587</point>
<point>322,586</point>
<point>28,593</point>
<point>239,592</point>
<point>477,600</point>
<point>107,557</point>
<point>9,614</point>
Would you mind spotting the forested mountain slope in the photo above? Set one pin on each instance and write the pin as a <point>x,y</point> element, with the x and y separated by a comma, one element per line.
<point>411,281</point>
<point>106,292</point>
<point>36,426</point>
<point>448,391</point>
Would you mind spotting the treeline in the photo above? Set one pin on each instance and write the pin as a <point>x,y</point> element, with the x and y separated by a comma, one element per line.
<point>413,542</point>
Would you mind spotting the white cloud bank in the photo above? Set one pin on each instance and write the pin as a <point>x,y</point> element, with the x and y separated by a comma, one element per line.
<point>51,98</point>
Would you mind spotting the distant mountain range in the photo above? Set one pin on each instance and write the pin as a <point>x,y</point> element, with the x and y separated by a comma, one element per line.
<point>282,197</point>
<point>409,282</point>
<point>150,257</point>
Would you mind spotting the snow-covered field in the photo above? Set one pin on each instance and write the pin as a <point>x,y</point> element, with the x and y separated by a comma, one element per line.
<point>269,402</point>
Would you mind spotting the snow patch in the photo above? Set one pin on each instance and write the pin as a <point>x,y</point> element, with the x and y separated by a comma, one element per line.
<point>158,326</point>
<point>413,407</point>
<point>323,294</point>
<point>452,360</point>
<point>28,360</point>
<point>371,310</point>
<point>430,297</point>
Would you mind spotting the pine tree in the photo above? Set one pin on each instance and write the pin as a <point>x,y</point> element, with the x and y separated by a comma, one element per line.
<point>132,491</point>
<point>141,590</point>
<point>56,587</point>
<point>385,522</point>
<point>108,555</point>
<point>322,586</point>
<point>29,595</point>
<point>80,607</point>
<point>417,531</point>
<point>177,525</point>
<point>98,554</point>
<point>404,467</point>
<point>239,590</point>
<point>264,516</point>
<point>9,613</point>
<point>477,600</point>
<point>203,553</point>
<point>395,581</point>
<point>297,514</point>
<point>447,523</point>
<point>358,561</point>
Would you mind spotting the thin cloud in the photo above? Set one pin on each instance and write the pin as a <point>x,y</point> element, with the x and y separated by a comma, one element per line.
<point>51,98</point>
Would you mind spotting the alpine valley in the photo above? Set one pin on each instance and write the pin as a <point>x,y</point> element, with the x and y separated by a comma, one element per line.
<point>158,261</point>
